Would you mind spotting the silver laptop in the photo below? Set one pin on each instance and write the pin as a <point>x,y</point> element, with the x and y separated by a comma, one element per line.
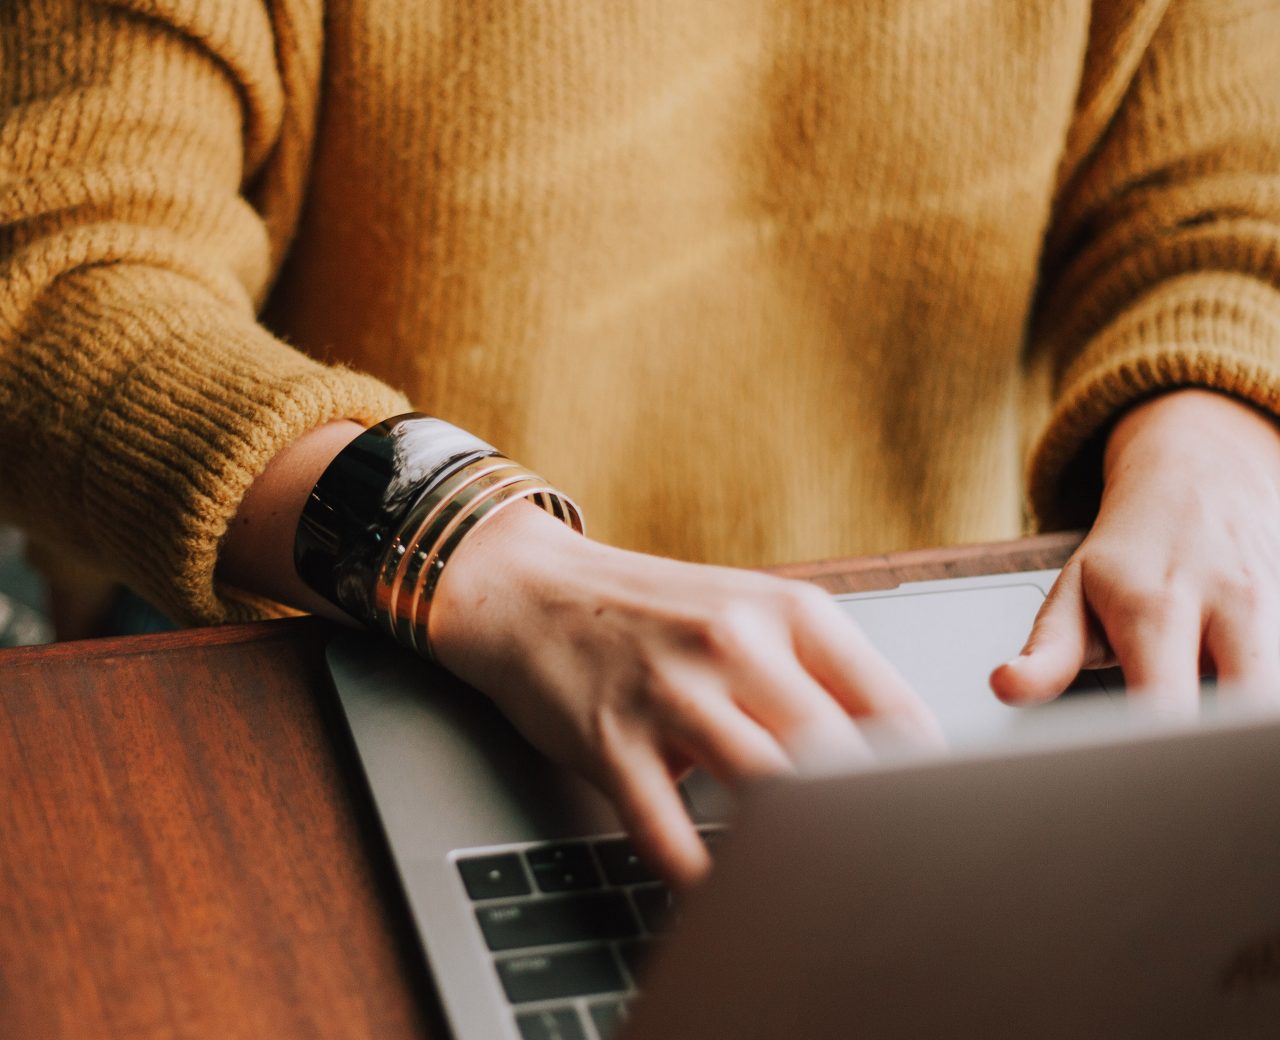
<point>1059,874</point>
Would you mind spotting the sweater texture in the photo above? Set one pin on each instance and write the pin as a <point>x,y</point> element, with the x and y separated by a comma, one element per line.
<point>752,281</point>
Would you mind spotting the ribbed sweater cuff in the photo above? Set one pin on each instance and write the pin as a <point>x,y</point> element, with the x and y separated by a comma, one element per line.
<point>180,432</point>
<point>1215,330</point>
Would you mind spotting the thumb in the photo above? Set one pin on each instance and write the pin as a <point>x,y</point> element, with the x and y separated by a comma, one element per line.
<point>1062,641</point>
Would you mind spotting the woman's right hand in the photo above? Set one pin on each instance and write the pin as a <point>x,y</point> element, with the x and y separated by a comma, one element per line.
<point>633,668</point>
<point>629,668</point>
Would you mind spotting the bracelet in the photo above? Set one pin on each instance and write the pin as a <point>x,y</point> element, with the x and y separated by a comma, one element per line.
<point>392,508</point>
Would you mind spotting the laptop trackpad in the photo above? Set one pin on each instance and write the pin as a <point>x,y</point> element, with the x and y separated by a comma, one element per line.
<point>945,642</point>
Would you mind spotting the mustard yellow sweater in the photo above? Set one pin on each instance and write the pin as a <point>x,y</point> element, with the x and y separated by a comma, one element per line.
<point>753,280</point>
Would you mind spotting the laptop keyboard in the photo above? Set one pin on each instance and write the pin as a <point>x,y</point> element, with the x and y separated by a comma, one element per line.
<point>568,926</point>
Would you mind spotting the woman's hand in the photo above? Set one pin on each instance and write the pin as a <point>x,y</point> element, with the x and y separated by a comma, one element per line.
<point>632,668</point>
<point>1180,575</point>
<point>629,667</point>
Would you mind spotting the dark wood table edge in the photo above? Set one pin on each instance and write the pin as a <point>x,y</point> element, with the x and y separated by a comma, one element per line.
<point>178,639</point>
<point>885,570</point>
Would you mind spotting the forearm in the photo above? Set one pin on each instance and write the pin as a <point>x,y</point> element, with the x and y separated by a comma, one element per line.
<point>257,555</point>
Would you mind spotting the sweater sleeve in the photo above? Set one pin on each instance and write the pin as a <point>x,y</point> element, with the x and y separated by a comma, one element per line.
<point>152,156</point>
<point>1162,267</point>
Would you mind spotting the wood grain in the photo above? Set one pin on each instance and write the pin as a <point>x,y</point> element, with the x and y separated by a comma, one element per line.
<point>884,572</point>
<point>181,854</point>
<point>184,852</point>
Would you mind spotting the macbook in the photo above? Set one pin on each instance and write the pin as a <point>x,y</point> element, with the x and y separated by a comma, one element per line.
<point>1058,870</point>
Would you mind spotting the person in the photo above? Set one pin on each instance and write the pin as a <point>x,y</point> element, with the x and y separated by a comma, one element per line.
<point>752,283</point>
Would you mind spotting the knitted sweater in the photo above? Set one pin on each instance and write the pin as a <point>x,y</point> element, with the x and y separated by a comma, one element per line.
<point>753,281</point>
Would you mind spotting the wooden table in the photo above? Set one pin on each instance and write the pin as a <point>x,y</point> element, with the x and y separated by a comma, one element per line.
<point>183,852</point>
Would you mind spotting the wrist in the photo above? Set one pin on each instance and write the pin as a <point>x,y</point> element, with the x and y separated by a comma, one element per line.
<point>494,571</point>
<point>1188,422</point>
<point>391,512</point>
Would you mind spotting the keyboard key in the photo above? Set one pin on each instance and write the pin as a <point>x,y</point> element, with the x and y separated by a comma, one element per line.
<point>542,922</point>
<point>554,976</point>
<point>563,868</point>
<point>608,1017</point>
<point>550,1024</point>
<point>654,904</point>
<point>635,954</point>
<point>492,877</point>
<point>622,864</point>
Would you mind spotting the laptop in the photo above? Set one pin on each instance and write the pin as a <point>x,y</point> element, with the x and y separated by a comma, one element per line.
<point>1059,873</point>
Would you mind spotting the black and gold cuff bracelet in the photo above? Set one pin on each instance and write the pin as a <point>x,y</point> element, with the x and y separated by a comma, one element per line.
<point>389,511</point>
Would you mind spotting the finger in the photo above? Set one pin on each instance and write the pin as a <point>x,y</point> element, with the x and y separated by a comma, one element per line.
<point>1156,639</point>
<point>715,733</point>
<point>1064,639</point>
<point>814,730</point>
<point>844,663</point>
<point>653,813</point>
<point>1244,647</point>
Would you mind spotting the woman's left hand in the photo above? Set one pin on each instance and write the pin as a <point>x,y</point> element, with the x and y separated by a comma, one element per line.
<point>1180,575</point>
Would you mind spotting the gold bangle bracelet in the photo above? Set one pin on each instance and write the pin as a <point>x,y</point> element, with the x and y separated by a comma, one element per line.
<point>406,552</point>
<point>415,558</point>
<point>482,509</point>
<point>418,581</point>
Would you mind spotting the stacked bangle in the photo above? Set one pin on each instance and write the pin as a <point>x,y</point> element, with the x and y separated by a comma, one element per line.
<point>388,513</point>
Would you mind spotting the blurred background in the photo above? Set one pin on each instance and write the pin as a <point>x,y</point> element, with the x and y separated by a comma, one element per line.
<point>28,607</point>
<point>24,599</point>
